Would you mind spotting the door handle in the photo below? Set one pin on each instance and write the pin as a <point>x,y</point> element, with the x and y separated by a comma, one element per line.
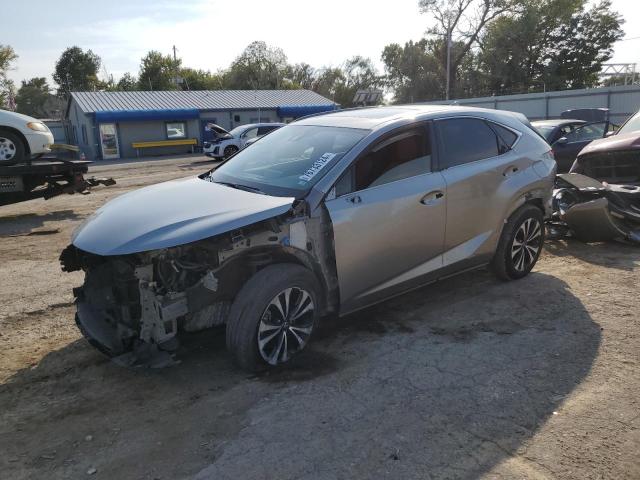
<point>354,199</point>
<point>510,171</point>
<point>432,198</point>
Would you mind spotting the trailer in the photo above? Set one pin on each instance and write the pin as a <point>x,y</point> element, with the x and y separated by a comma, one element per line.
<point>45,178</point>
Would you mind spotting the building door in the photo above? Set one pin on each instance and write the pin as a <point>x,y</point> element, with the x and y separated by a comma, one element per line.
<point>109,141</point>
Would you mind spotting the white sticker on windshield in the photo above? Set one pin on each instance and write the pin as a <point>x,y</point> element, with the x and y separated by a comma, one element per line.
<point>317,166</point>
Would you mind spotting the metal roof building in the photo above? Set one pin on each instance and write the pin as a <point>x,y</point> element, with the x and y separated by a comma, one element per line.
<point>107,124</point>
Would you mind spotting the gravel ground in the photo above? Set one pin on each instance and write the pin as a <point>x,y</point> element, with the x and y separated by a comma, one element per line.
<point>468,378</point>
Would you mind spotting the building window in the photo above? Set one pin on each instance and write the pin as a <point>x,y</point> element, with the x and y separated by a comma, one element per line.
<point>176,130</point>
<point>236,118</point>
<point>84,134</point>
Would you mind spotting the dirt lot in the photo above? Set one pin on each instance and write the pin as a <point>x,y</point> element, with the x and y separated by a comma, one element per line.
<point>469,378</point>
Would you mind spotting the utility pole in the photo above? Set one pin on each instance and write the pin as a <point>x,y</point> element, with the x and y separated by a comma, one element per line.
<point>175,64</point>
<point>448,58</point>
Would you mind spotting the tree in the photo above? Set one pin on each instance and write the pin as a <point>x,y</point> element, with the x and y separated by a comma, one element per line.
<point>127,83</point>
<point>302,75</point>
<point>583,45</point>
<point>359,74</point>
<point>341,83</point>
<point>77,70</point>
<point>327,82</point>
<point>553,45</point>
<point>414,71</point>
<point>158,72</point>
<point>463,21</point>
<point>32,97</point>
<point>257,67</point>
<point>7,57</point>
<point>199,80</point>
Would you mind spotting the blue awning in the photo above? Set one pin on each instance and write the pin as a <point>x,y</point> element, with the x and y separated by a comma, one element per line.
<point>142,115</point>
<point>296,111</point>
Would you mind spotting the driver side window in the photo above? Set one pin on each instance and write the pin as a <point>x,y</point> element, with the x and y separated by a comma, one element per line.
<point>401,156</point>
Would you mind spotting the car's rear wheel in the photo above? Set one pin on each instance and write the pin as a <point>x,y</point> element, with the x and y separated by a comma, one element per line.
<point>12,149</point>
<point>230,150</point>
<point>520,244</point>
<point>273,316</point>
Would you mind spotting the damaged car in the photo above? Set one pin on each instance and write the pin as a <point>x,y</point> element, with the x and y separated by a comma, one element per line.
<point>615,159</point>
<point>327,215</point>
<point>599,199</point>
<point>592,211</point>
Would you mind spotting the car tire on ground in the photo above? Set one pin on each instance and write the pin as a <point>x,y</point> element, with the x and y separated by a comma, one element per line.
<point>230,150</point>
<point>273,316</point>
<point>520,243</point>
<point>12,148</point>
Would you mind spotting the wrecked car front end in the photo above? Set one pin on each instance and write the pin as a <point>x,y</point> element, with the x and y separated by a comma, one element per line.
<point>593,211</point>
<point>599,199</point>
<point>169,269</point>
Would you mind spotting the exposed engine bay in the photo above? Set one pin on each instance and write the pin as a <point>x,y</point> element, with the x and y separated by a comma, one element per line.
<point>594,211</point>
<point>133,307</point>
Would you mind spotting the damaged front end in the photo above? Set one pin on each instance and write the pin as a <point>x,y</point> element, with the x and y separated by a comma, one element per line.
<point>172,257</point>
<point>134,307</point>
<point>592,211</point>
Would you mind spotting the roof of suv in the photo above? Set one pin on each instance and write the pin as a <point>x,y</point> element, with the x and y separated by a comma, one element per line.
<point>372,117</point>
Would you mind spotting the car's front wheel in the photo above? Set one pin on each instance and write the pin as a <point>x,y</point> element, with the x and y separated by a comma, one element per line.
<point>12,149</point>
<point>520,244</point>
<point>230,150</point>
<point>273,316</point>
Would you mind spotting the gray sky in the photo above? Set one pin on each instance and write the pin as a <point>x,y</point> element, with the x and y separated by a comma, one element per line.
<point>209,34</point>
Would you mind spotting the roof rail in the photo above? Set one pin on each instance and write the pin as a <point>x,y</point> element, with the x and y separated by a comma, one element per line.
<point>333,111</point>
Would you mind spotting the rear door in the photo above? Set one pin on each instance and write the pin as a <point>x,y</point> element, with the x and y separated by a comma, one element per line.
<point>477,163</point>
<point>388,218</point>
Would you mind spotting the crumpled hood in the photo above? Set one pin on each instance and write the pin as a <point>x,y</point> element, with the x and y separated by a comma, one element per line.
<point>626,141</point>
<point>173,213</point>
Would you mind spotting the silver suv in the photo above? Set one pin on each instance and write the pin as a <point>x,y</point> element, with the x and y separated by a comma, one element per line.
<point>329,214</point>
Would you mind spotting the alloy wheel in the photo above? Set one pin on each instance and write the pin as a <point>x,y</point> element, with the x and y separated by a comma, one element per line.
<point>285,325</point>
<point>526,244</point>
<point>7,149</point>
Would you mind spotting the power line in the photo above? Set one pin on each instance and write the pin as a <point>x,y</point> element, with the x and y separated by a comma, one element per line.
<point>630,38</point>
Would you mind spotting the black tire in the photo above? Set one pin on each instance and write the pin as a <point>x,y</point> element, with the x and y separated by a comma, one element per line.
<point>514,258</point>
<point>251,316</point>
<point>230,150</point>
<point>12,148</point>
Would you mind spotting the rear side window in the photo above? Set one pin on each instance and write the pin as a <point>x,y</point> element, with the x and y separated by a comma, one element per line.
<point>507,137</point>
<point>404,155</point>
<point>464,140</point>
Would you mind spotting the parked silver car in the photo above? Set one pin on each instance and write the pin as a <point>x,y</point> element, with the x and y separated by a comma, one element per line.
<point>329,214</point>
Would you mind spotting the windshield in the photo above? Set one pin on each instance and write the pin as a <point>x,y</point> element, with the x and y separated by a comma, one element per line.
<point>632,125</point>
<point>288,161</point>
<point>544,131</point>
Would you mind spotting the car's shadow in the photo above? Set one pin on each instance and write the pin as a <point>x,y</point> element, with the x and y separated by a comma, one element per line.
<point>444,382</point>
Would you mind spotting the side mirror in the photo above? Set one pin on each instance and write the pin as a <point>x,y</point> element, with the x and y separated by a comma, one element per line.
<point>609,133</point>
<point>561,141</point>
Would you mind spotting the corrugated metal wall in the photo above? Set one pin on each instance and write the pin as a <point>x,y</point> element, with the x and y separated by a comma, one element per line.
<point>622,102</point>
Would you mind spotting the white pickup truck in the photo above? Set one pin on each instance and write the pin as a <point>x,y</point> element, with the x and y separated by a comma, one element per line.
<point>22,137</point>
